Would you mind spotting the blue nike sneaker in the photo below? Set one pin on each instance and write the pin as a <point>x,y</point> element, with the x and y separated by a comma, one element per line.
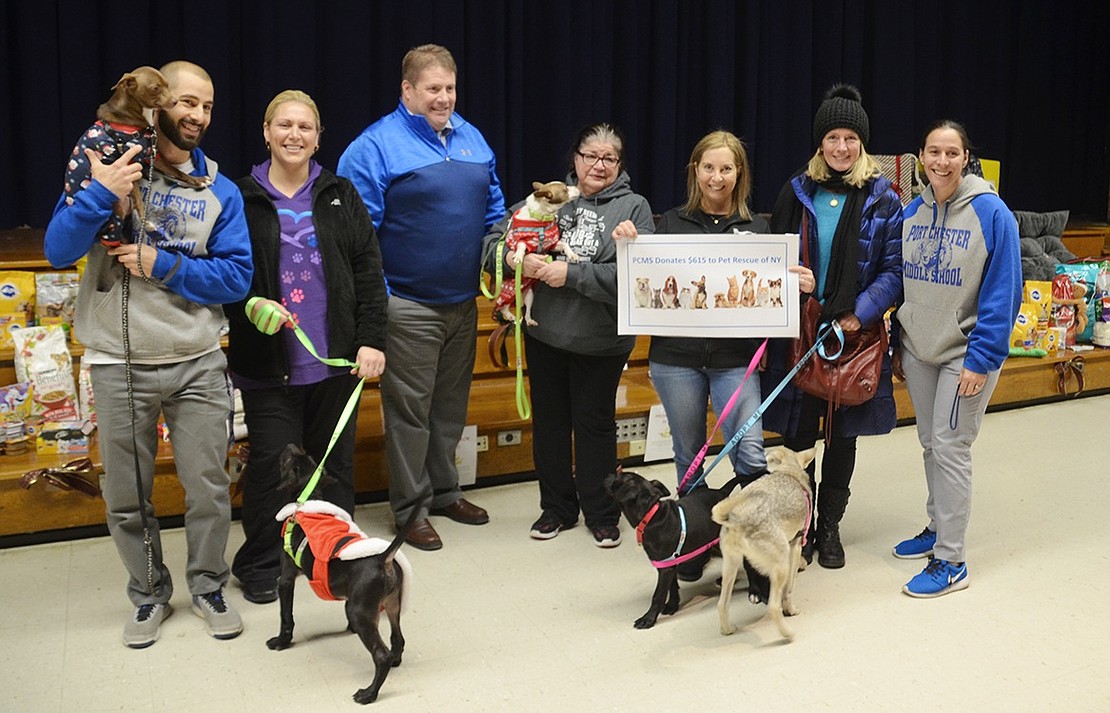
<point>937,579</point>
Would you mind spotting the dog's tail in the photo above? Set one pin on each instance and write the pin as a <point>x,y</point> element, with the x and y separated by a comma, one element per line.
<point>402,533</point>
<point>723,510</point>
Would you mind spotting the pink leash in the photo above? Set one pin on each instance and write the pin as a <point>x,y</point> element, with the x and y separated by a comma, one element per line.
<point>752,366</point>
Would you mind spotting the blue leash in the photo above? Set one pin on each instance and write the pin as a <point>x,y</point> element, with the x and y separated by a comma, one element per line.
<point>819,347</point>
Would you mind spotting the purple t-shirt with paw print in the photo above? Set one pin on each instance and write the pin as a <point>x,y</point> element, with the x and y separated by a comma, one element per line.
<point>301,273</point>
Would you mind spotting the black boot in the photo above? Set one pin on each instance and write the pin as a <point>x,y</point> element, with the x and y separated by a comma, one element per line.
<point>831,503</point>
<point>810,545</point>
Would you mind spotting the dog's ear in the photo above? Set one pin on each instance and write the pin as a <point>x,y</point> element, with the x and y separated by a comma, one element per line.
<point>128,80</point>
<point>806,457</point>
<point>660,488</point>
<point>775,457</point>
<point>536,185</point>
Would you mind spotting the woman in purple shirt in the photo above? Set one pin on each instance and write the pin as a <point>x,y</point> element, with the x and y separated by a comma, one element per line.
<point>316,263</point>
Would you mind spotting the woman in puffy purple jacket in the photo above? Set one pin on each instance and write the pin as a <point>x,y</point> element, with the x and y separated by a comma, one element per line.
<point>853,221</point>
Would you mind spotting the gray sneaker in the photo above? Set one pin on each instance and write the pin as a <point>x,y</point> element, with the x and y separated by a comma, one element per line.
<point>223,621</point>
<point>142,630</point>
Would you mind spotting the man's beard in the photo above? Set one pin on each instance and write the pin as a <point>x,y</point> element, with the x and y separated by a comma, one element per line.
<point>169,129</point>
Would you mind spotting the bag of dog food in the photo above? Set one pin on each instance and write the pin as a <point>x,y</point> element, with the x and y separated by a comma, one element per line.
<point>42,358</point>
<point>1083,277</point>
<point>17,303</point>
<point>55,298</point>
<point>1039,292</point>
<point>1100,335</point>
<point>1023,335</point>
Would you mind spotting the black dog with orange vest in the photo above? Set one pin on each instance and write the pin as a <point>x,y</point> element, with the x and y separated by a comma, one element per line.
<point>341,562</point>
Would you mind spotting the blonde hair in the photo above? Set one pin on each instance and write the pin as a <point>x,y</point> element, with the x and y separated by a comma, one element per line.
<point>420,58</point>
<point>738,201</point>
<point>863,170</point>
<point>292,95</point>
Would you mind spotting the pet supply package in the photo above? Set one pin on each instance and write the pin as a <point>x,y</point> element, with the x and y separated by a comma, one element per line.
<point>1023,335</point>
<point>1100,335</point>
<point>1083,277</point>
<point>15,401</point>
<point>62,438</point>
<point>86,402</point>
<point>1039,292</point>
<point>42,358</point>
<point>17,303</point>
<point>55,298</point>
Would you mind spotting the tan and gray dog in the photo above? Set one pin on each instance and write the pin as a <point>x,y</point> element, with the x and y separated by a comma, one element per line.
<point>765,523</point>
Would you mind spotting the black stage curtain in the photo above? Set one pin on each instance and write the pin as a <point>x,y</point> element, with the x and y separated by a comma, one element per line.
<point>1030,80</point>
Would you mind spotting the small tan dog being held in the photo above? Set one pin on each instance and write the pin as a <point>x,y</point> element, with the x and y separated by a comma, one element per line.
<point>765,522</point>
<point>533,229</point>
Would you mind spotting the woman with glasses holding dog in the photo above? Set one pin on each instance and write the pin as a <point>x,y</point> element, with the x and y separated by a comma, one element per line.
<point>962,283</point>
<point>575,357</point>
<point>853,221</point>
<point>316,264</point>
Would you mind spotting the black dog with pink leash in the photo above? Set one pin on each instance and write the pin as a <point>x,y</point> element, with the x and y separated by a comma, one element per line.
<point>672,532</point>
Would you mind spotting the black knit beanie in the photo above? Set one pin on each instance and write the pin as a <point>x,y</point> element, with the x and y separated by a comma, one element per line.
<point>841,109</point>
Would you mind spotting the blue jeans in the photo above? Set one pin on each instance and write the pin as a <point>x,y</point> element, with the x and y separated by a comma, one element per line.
<point>685,393</point>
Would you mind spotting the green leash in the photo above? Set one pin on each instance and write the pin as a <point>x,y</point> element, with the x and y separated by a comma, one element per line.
<point>523,407</point>
<point>352,402</point>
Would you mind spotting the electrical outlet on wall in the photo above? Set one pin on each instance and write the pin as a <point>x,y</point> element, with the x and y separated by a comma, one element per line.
<point>508,438</point>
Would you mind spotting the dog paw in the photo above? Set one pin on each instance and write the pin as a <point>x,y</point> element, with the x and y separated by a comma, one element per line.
<point>756,598</point>
<point>727,630</point>
<point>669,608</point>
<point>365,695</point>
<point>645,622</point>
<point>279,643</point>
<point>531,322</point>
<point>791,610</point>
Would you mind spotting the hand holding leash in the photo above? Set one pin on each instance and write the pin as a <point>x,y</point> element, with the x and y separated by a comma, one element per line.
<point>136,259</point>
<point>266,315</point>
<point>369,362</point>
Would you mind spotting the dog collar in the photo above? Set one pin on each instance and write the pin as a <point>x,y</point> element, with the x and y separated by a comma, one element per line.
<point>678,558</point>
<point>645,520</point>
<point>544,217</point>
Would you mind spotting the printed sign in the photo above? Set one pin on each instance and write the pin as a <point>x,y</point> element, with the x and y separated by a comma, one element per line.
<point>730,285</point>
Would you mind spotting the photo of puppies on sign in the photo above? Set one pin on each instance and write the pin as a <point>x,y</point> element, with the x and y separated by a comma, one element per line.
<point>726,285</point>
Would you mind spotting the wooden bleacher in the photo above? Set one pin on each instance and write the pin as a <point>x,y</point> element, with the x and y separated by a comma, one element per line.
<point>492,408</point>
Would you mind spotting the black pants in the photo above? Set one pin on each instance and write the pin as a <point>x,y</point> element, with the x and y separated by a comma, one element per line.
<point>838,461</point>
<point>276,417</point>
<point>574,400</point>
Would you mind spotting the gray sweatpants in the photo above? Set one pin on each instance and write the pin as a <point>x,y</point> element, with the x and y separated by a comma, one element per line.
<point>194,397</point>
<point>946,438</point>
<point>425,392</point>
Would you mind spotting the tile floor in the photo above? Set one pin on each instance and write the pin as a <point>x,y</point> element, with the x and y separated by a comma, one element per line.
<point>504,623</point>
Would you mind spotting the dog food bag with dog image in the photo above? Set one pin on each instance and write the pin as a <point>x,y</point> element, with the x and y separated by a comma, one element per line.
<point>55,298</point>
<point>17,303</point>
<point>42,358</point>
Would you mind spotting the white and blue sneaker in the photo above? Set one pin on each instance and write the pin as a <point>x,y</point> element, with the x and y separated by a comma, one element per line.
<point>916,547</point>
<point>939,577</point>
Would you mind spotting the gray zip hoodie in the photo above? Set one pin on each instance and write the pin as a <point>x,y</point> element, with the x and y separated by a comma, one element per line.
<point>581,316</point>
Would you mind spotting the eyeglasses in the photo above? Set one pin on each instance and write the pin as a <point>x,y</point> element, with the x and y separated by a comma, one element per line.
<point>592,158</point>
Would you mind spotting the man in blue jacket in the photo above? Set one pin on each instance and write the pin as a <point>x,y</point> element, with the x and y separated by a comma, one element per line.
<point>157,344</point>
<point>429,180</point>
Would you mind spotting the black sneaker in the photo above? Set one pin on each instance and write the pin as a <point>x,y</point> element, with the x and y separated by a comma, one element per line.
<point>547,527</point>
<point>260,592</point>
<point>607,535</point>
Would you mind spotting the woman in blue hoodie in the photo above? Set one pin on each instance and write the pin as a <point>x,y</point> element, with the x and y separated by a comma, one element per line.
<point>962,282</point>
